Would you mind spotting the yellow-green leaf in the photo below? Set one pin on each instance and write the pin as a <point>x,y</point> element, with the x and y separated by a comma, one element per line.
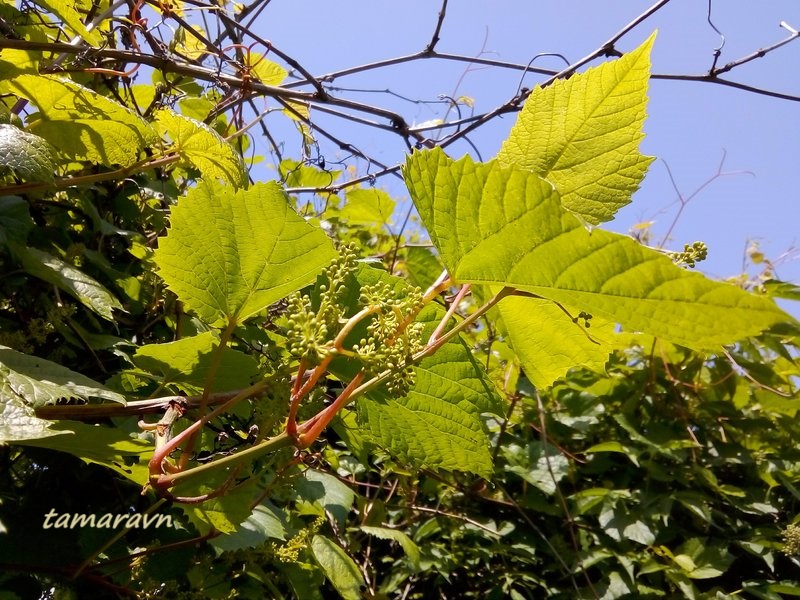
<point>230,254</point>
<point>80,123</point>
<point>65,10</point>
<point>583,134</point>
<point>506,227</point>
<point>202,148</point>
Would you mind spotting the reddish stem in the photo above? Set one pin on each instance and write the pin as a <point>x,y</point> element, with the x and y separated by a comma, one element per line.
<point>310,430</point>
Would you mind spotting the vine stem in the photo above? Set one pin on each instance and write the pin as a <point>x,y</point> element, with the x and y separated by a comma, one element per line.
<point>211,375</point>
<point>157,477</point>
<point>284,440</point>
<point>66,182</point>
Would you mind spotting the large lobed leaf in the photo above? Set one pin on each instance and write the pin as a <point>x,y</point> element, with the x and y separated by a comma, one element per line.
<point>81,123</point>
<point>230,254</point>
<point>506,227</point>
<point>583,134</point>
<point>438,423</point>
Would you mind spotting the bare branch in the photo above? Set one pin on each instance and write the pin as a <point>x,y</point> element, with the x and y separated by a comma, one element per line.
<point>435,37</point>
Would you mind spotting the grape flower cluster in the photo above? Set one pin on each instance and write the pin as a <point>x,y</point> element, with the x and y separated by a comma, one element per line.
<point>391,339</point>
<point>691,254</point>
<point>320,323</point>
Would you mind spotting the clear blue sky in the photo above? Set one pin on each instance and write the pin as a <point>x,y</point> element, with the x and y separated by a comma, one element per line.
<point>689,125</point>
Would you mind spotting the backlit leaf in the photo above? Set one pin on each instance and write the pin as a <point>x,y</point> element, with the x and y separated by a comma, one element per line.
<point>82,124</point>
<point>230,254</point>
<point>264,70</point>
<point>506,227</point>
<point>65,10</point>
<point>202,148</point>
<point>367,206</point>
<point>583,134</point>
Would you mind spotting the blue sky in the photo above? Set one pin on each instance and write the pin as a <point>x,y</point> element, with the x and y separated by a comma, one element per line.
<point>690,125</point>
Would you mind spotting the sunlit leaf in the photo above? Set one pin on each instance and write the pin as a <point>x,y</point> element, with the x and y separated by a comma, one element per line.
<point>583,134</point>
<point>367,206</point>
<point>506,227</point>
<point>39,382</point>
<point>339,568</point>
<point>230,254</point>
<point>82,124</point>
<point>18,421</point>
<point>202,148</point>
<point>187,361</point>
<point>396,535</point>
<point>65,10</point>
<point>438,423</point>
<point>107,446</point>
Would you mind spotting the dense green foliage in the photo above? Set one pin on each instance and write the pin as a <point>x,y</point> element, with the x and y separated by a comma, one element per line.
<point>525,407</point>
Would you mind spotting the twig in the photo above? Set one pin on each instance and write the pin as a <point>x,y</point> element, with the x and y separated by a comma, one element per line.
<point>435,37</point>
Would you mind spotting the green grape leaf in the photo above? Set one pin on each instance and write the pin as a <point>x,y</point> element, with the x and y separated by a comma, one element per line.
<point>423,266</point>
<point>186,362</point>
<point>65,10</point>
<point>230,254</point>
<point>202,148</point>
<point>583,134</point>
<point>320,493</point>
<point>66,277</point>
<point>396,535</point>
<point>107,446</point>
<point>297,174</point>
<point>367,206</point>
<point>15,220</point>
<point>265,522</point>
<point>339,568</point>
<point>18,422</point>
<point>506,227</point>
<point>549,343</point>
<point>39,382</point>
<point>14,63</point>
<point>223,513</point>
<point>81,123</point>
<point>29,156</point>
<point>438,423</point>
<point>265,70</point>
